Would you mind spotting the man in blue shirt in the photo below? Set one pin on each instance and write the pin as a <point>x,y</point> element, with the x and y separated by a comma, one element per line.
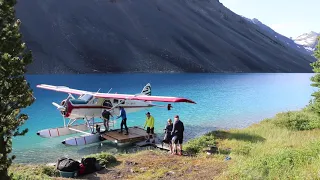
<point>124,119</point>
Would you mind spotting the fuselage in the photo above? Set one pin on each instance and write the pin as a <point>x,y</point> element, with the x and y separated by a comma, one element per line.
<point>87,106</point>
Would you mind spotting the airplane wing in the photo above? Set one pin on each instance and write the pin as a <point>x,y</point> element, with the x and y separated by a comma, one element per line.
<point>144,97</point>
<point>116,96</point>
<point>63,89</point>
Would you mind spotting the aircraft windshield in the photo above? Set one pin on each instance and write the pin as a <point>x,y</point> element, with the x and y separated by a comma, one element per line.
<point>86,97</point>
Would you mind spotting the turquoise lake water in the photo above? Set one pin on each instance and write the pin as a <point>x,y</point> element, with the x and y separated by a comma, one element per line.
<point>223,101</point>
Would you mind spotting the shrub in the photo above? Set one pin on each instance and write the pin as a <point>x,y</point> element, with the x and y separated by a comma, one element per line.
<point>26,172</point>
<point>49,171</point>
<point>297,120</point>
<point>29,177</point>
<point>196,145</point>
<point>243,149</point>
<point>105,159</point>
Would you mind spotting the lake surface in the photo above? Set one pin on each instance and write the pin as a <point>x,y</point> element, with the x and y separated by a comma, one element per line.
<point>223,101</point>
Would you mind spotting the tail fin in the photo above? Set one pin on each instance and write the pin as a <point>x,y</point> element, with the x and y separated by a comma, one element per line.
<point>146,90</point>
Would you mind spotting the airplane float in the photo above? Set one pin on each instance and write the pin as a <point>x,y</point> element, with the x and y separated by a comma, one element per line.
<point>90,105</point>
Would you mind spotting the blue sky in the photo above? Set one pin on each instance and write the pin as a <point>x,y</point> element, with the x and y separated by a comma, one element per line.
<point>290,18</point>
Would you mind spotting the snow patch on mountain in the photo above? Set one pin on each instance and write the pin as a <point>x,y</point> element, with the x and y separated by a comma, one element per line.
<point>308,40</point>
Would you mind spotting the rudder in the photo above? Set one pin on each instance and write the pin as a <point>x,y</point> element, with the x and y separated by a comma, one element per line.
<point>146,90</point>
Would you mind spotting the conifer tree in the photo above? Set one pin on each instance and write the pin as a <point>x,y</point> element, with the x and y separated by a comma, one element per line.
<point>316,80</point>
<point>15,92</point>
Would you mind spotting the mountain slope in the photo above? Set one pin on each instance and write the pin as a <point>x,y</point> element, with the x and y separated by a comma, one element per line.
<point>287,41</point>
<point>308,40</point>
<point>79,36</point>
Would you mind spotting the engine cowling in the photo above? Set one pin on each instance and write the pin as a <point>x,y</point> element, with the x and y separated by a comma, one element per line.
<point>64,104</point>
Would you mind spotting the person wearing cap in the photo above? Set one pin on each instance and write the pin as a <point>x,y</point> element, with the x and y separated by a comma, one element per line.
<point>150,127</point>
<point>168,137</point>
<point>177,133</point>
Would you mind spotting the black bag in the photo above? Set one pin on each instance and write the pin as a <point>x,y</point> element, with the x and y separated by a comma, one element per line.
<point>89,164</point>
<point>67,165</point>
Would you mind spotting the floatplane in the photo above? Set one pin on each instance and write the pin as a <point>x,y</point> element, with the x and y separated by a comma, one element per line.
<point>90,105</point>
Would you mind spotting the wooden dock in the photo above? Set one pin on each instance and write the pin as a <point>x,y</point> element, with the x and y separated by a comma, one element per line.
<point>135,134</point>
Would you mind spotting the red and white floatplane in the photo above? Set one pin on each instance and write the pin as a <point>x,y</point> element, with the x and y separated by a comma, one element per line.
<point>90,105</point>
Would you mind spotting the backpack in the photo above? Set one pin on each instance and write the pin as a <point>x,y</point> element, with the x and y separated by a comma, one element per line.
<point>82,169</point>
<point>67,165</point>
<point>89,164</point>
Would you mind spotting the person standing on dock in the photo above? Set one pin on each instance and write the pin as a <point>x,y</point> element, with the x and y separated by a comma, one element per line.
<point>150,127</point>
<point>177,133</point>
<point>123,116</point>
<point>106,118</point>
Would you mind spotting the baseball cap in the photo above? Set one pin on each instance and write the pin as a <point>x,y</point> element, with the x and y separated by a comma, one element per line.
<point>148,113</point>
<point>176,116</point>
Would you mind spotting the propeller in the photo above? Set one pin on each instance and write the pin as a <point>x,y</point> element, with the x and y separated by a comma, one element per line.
<point>59,107</point>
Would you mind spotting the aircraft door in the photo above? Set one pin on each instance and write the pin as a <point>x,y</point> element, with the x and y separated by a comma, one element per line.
<point>109,105</point>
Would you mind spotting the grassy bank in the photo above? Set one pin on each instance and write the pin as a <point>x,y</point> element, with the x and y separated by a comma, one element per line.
<point>284,147</point>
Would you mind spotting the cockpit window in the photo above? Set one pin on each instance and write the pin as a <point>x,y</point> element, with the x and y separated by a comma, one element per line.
<point>86,97</point>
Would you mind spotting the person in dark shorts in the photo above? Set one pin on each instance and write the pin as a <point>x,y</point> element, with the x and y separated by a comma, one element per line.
<point>168,137</point>
<point>177,133</point>
<point>106,118</point>
<point>123,116</point>
<point>150,127</point>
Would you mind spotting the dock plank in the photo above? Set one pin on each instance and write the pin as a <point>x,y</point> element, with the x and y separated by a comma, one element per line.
<point>135,134</point>
<point>121,136</point>
<point>163,146</point>
<point>157,144</point>
<point>107,137</point>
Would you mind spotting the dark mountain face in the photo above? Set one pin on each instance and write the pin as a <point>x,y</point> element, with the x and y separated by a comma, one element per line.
<point>276,36</point>
<point>81,36</point>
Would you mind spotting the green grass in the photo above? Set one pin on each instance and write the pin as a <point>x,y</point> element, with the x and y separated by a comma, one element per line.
<point>281,164</point>
<point>284,147</point>
<point>285,152</point>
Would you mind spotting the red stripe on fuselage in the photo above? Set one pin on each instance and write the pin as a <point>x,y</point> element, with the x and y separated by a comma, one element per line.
<point>71,106</point>
<point>104,107</point>
<point>76,141</point>
<point>88,107</point>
